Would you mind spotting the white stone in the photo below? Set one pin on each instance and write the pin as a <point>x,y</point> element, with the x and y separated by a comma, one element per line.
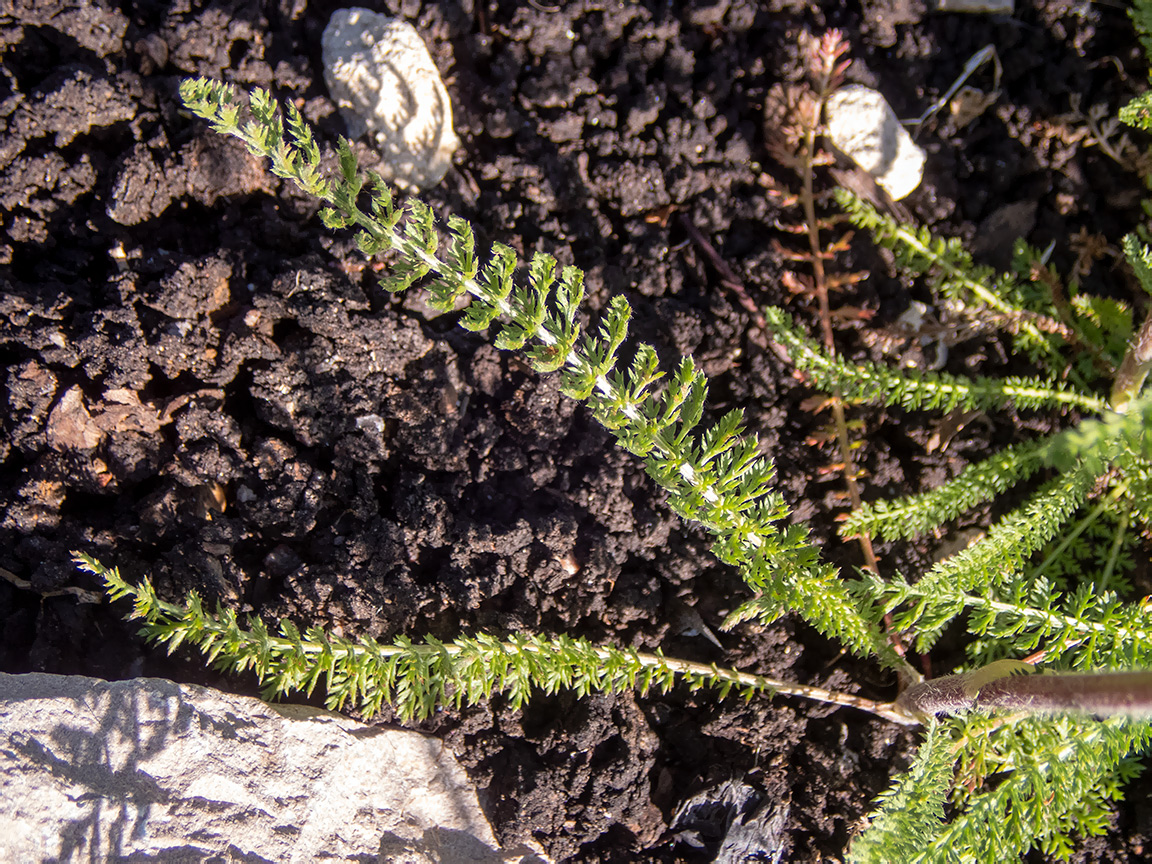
<point>864,127</point>
<point>146,769</point>
<point>383,80</point>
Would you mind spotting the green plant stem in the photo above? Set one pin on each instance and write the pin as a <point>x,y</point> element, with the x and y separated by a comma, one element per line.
<point>1114,551</point>
<point>1082,526</point>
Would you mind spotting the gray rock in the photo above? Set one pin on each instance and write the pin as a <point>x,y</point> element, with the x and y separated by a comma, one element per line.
<point>383,80</point>
<point>147,769</point>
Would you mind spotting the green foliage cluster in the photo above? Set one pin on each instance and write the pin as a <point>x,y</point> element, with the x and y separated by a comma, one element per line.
<point>981,788</point>
<point>1037,782</point>
<point>913,807</point>
<point>1018,306</point>
<point>714,477</point>
<point>1040,783</point>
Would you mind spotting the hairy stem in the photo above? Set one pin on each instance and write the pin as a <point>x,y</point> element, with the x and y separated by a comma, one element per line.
<point>1010,685</point>
<point>1133,369</point>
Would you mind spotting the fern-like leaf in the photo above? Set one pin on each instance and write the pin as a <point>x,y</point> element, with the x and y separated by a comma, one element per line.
<point>955,276</point>
<point>418,678</point>
<point>911,813</point>
<point>1050,774</point>
<point>914,389</point>
<point>915,515</point>
<point>995,559</point>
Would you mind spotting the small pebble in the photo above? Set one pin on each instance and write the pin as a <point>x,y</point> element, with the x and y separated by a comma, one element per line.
<point>864,127</point>
<point>383,80</point>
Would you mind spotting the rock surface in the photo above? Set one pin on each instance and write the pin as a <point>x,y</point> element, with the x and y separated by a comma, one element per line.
<point>383,80</point>
<point>149,769</point>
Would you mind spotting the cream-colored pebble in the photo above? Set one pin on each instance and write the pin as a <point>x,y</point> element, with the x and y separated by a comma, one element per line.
<point>864,127</point>
<point>383,80</point>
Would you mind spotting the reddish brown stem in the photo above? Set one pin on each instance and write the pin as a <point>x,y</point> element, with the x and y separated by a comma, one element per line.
<point>728,278</point>
<point>829,70</point>
<point>1134,368</point>
<point>1006,686</point>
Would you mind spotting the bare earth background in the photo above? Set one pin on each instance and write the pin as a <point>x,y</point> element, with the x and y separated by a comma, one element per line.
<point>180,334</point>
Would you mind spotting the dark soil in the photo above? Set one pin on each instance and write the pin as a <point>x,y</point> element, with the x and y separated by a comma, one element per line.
<point>204,385</point>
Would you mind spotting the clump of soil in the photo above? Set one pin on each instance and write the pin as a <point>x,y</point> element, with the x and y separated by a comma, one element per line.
<point>204,385</point>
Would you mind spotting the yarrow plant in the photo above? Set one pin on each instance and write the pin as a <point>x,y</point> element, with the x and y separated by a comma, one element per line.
<point>714,477</point>
<point>1011,757</point>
